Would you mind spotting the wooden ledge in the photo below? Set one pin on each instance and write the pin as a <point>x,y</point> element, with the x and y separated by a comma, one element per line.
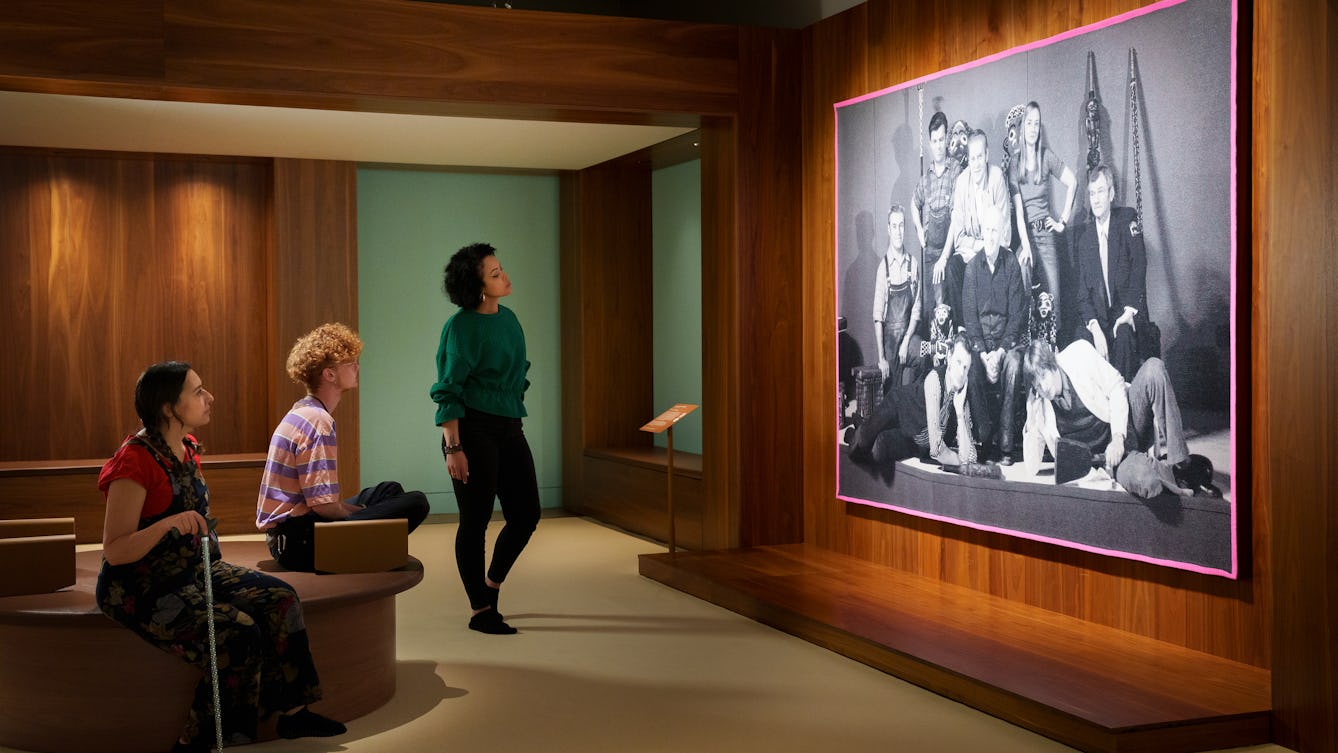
<point>76,606</point>
<point>686,464</point>
<point>20,468</point>
<point>1085,685</point>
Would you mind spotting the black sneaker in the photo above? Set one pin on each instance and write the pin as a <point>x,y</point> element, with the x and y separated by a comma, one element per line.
<point>491,623</point>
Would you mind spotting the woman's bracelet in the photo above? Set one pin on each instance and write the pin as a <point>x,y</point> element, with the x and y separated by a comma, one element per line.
<point>451,449</point>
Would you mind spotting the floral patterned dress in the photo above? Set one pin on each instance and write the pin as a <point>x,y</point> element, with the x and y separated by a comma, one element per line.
<point>264,662</point>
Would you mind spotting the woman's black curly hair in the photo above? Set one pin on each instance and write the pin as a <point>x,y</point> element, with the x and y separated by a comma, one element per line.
<point>462,282</point>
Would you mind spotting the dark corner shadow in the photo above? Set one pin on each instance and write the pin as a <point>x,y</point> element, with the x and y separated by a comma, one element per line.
<point>622,623</point>
<point>418,690</point>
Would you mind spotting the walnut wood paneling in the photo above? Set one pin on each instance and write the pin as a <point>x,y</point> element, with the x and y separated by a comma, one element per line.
<point>876,45</point>
<point>607,359</point>
<point>1295,290</point>
<point>370,55</point>
<point>630,493</point>
<point>611,231</point>
<point>722,330</point>
<point>112,262</point>
<point>69,489</point>
<point>78,38</point>
<point>769,223</point>
<point>376,48</point>
<point>212,226</point>
<point>314,279</point>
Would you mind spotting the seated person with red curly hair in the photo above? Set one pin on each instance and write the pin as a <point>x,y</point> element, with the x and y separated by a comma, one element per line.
<point>300,485</point>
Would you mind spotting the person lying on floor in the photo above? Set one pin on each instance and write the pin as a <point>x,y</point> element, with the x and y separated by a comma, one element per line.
<point>1078,396</point>
<point>924,416</point>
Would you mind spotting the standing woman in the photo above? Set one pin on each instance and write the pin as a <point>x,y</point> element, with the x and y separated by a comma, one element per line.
<point>1029,177</point>
<point>152,576</point>
<point>480,397</point>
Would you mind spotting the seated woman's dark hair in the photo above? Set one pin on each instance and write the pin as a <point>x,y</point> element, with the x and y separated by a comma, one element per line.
<point>159,385</point>
<point>462,282</point>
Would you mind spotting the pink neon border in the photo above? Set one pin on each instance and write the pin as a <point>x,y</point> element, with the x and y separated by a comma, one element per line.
<point>1234,572</point>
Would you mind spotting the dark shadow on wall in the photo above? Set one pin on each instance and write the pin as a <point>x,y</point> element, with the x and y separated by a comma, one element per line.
<point>857,303</point>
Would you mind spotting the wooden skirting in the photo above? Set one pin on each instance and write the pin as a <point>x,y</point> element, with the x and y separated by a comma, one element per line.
<point>1088,686</point>
<point>69,488</point>
<point>627,487</point>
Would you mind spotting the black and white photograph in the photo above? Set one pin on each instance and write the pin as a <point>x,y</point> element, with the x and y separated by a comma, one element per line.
<point>1036,293</point>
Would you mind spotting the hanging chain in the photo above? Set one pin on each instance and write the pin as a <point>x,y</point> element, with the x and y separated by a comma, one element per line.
<point>213,646</point>
<point>920,94</point>
<point>1133,109</point>
<point>1092,115</point>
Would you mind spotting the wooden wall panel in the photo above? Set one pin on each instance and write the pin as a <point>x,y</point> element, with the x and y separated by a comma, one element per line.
<point>69,489</point>
<point>722,330</point>
<point>879,44</point>
<point>108,266</point>
<point>373,55</point>
<point>313,279</point>
<point>834,70</point>
<point>212,238</point>
<point>769,220</point>
<point>1296,337</point>
<point>444,52</point>
<point>613,237</point>
<point>82,39</point>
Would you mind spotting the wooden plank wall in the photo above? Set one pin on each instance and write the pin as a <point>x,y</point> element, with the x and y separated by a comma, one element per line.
<point>769,220</point>
<point>879,44</point>
<point>1282,615</point>
<point>113,261</point>
<point>1295,306</point>
<point>313,280</point>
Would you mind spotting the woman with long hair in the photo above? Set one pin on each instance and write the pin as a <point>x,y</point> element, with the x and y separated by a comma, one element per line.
<point>1029,174</point>
<point>152,578</point>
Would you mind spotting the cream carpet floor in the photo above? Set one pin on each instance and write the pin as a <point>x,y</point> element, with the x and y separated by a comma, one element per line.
<point>609,661</point>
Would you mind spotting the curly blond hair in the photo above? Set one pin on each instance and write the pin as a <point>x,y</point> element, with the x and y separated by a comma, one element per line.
<point>327,345</point>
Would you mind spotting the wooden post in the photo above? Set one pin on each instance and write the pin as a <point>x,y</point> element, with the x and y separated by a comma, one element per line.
<point>665,423</point>
<point>669,485</point>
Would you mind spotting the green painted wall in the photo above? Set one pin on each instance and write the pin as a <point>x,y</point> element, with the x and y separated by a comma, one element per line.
<point>677,265</point>
<point>409,223</point>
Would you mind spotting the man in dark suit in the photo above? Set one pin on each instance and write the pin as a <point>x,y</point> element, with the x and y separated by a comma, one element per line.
<point>1112,273</point>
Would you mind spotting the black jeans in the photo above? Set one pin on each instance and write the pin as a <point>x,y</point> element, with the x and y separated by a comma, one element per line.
<point>292,540</point>
<point>501,467</point>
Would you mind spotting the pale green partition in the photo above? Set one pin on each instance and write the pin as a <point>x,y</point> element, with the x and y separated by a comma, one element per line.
<point>410,221</point>
<point>677,266</point>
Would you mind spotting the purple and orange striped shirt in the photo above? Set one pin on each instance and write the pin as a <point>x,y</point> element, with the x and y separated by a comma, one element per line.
<point>302,470</point>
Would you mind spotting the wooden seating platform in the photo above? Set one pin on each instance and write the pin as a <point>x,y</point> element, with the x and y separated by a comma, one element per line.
<point>1087,686</point>
<point>72,680</point>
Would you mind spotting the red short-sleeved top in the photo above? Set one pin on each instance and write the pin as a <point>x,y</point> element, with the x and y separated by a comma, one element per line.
<point>133,461</point>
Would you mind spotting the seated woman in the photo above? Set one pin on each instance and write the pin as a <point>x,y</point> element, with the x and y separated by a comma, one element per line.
<point>152,576</point>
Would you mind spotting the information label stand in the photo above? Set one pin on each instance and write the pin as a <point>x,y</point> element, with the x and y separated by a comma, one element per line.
<point>664,423</point>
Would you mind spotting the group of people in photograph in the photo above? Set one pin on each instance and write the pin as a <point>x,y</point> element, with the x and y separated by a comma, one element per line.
<point>1013,335</point>
<point>162,574</point>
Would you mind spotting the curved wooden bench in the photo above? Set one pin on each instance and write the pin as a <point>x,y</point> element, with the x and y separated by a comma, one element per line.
<point>72,680</point>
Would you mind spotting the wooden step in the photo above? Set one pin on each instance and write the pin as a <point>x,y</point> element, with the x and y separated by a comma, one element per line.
<point>1088,686</point>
